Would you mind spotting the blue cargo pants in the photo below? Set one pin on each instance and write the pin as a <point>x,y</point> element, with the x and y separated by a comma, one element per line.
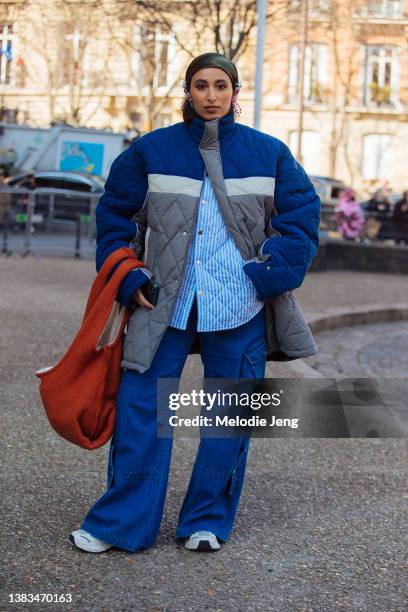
<point>129,513</point>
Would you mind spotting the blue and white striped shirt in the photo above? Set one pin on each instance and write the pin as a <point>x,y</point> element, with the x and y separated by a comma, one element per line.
<point>226,296</point>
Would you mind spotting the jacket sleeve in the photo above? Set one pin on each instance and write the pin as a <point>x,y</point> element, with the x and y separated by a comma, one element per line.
<point>284,258</point>
<point>125,192</point>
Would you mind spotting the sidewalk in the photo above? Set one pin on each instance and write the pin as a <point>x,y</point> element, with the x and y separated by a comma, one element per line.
<point>321,521</point>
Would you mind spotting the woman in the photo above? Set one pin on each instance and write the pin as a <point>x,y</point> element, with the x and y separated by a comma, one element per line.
<point>400,219</point>
<point>379,202</point>
<point>378,223</point>
<point>349,216</point>
<point>196,199</point>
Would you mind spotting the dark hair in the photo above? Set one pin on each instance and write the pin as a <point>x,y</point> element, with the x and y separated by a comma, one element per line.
<point>189,112</point>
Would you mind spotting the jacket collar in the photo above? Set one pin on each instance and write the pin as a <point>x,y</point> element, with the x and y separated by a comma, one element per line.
<point>221,128</point>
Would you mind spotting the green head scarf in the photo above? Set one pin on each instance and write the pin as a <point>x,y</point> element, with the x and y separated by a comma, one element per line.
<point>211,60</point>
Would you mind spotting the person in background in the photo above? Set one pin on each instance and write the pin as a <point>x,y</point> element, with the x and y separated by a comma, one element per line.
<point>379,202</point>
<point>400,219</point>
<point>349,216</point>
<point>379,205</point>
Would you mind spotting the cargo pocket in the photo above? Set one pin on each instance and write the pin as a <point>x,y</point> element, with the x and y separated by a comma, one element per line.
<point>254,360</point>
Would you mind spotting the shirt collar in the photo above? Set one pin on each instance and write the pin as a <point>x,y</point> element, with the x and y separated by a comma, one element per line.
<point>226,127</point>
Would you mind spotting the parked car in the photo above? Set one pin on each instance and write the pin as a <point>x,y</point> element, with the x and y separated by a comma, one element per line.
<point>328,189</point>
<point>67,204</point>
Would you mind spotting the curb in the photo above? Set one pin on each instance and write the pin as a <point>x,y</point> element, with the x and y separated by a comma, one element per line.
<point>337,317</point>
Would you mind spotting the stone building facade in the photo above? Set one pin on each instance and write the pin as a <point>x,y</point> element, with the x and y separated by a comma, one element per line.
<point>88,64</point>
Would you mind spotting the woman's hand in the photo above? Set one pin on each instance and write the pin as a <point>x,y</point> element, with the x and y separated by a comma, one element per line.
<point>139,298</point>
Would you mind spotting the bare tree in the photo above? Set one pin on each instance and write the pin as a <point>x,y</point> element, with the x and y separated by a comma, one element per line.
<point>225,26</point>
<point>168,35</point>
<point>342,88</point>
<point>155,61</point>
<point>347,37</point>
<point>8,13</point>
<point>61,40</point>
<point>336,27</point>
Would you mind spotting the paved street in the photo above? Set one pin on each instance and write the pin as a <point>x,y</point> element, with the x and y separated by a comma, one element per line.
<point>322,522</point>
<point>61,242</point>
<point>378,350</point>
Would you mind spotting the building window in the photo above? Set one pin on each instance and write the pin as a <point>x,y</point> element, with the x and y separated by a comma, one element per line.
<point>6,53</point>
<point>8,115</point>
<point>315,7</point>
<point>153,57</point>
<point>162,56</point>
<point>315,74</point>
<point>93,70</point>
<point>384,8</point>
<point>21,72</point>
<point>380,76</point>
<point>377,156</point>
<point>311,150</point>
<point>246,68</point>
<point>71,52</point>
<point>135,118</point>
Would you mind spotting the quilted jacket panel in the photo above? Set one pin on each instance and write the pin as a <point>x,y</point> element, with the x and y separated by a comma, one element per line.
<point>275,227</point>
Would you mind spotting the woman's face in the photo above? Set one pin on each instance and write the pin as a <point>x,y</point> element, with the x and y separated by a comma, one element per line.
<point>211,92</point>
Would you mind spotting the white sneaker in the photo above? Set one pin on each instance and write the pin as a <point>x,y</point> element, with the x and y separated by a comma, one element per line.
<point>85,541</point>
<point>202,541</point>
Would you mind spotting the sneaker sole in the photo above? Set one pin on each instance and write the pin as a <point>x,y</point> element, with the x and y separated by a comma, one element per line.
<point>72,539</point>
<point>203,546</point>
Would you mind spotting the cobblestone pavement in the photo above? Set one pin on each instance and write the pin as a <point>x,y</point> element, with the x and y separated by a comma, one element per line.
<point>377,350</point>
<point>321,524</point>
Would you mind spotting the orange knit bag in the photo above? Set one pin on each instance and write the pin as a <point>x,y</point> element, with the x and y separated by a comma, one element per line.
<point>79,392</point>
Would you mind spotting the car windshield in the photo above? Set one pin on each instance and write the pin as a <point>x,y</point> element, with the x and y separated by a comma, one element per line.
<point>56,180</point>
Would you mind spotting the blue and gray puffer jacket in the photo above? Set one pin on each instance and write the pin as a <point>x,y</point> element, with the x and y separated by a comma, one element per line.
<point>268,204</point>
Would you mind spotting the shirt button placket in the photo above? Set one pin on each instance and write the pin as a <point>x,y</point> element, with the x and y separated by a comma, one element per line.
<point>198,263</point>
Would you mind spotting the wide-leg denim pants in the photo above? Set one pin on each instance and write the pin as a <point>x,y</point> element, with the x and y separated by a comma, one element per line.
<point>129,513</point>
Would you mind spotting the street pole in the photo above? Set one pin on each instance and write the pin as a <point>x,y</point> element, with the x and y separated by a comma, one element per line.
<point>260,38</point>
<point>301,78</point>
